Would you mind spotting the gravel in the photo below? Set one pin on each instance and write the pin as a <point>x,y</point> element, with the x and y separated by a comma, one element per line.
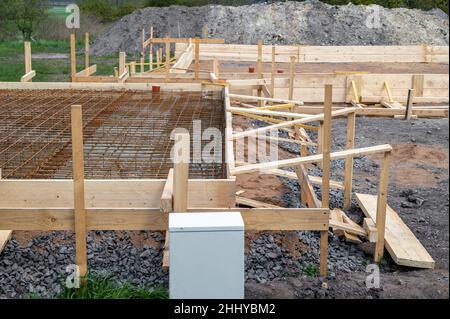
<point>310,23</point>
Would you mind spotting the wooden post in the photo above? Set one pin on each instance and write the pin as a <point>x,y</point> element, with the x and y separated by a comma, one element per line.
<point>216,68</point>
<point>291,78</point>
<point>73,59</point>
<point>122,62</point>
<point>78,188</point>
<point>143,50</point>
<point>260,70</point>
<point>205,31</point>
<point>133,67</point>
<point>181,172</point>
<point>27,56</point>
<point>326,175</point>
<point>351,120</point>
<point>409,104</point>
<point>272,73</point>
<point>167,70</point>
<point>197,57</point>
<point>151,49</point>
<point>381,206</point>
<point>86,50</point>
<point>158,58</point>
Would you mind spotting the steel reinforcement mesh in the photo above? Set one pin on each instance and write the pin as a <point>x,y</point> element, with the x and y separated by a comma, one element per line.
<point>126,133</point>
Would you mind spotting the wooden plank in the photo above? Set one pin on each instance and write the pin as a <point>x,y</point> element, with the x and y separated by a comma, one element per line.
<point>328,104</point>
<point>197,57</point>
<point>5,235</point>
<point>89,71</point>
<point>254,203</point>
<point>260,71</point>
<point>86,50</point>
<point>257,219</point>
<point>418,81</point>
<point>78,188</point>
<point>241,110</point>
<point>312,159</point>
<point>272,72</point>
<point>189,40</point>
<point>27,56</point>
<point>181,172</point>
<point>285,124</point>
<point>371,230</point>
<point>73,58</point>
<point>348,169</point>
<point>167,194</point>
<point>409,103</point>
<point>129,193</point>
<point>256,98</point>
<point>28,77</point>
<point>404,248</point>
<point>291,78</point>
<point>167,61</point>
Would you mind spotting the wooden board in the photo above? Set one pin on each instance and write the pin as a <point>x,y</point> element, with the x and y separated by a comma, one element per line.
<point>5,235</point>
<point>404,248</point>
<point>130,193</point>
<point>152,219</point>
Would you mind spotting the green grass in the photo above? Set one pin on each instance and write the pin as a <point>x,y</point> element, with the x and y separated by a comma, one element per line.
<point>104,287</point>
<point>47,70</point>
<point>311,270</point>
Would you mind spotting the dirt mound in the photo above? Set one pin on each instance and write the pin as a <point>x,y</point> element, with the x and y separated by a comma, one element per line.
<point>308,22</point>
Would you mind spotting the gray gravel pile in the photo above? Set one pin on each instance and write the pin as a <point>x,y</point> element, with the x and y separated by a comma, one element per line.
<point>308,22</point>
<point>266,260</point>
<point>39,268</point>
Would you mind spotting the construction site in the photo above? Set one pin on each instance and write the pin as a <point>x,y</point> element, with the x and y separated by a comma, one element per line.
<point>93,169</point>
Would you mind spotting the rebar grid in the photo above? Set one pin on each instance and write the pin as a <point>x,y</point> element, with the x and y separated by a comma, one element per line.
<point>126,133</point>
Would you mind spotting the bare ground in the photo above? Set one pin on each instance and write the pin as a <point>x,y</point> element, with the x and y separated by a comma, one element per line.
<point>419,168</point>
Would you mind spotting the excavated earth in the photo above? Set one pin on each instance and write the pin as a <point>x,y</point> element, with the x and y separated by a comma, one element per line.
<point>307,22</point>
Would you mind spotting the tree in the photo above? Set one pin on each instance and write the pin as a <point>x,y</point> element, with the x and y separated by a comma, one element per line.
<point>26,14</point>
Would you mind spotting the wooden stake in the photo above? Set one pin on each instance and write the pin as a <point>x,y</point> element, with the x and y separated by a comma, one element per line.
<point>122,62</point>
<point>151,49</point>
<point>78,187</point>
<point>409,104</point>
<point>86,50</point>
<point>197,57</point>
<point>381,206</point>
<point>216,70</point>
<point>158,59</point>
<point>291,78</point>
<point>167,57</point>
<point>73,59</point>
<point>351,120</point>
<point>260,70</point>
<point>143,50</point>
<point>205,31</point>
<point>27,56</point>
<point>272,73</point>
<point>181,172</point>
<point>326,175</point>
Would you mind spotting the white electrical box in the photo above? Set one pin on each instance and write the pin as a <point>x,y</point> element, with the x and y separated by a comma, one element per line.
<point>206,256</point>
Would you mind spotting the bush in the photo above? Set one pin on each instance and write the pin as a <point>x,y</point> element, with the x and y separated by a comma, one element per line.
<point>105,10</point>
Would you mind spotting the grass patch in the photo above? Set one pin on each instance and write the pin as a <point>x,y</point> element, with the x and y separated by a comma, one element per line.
<point>48,70</point>
<point>311,270</point>
<point>105,287</point>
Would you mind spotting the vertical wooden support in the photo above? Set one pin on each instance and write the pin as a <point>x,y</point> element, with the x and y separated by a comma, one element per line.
<point>197,57</point>
<point>348,177</point>
<point>78,188</point>
<point>158,59</point>
<point>389,92</point>
<point>122,61</point>
<point>355,92</point>
<point>86,50</point>
<point>291,78</point>
<point>417,84</point>
<point>216,70</point>
<point>73,59</point>
<point>381,206</point>
<point>167,70</point>
<point>260,70</point>
<point>143,50</point>
<point>326,175</point>
<point>151,49</point>
<point>181,172</point>
<point>27,56</point>
<point>272,73</point>
<point>205,31</point>
<point>132,67</point>
<point>409,104</point>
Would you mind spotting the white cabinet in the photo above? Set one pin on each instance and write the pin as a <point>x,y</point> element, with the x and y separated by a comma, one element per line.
<point>206,255</point>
